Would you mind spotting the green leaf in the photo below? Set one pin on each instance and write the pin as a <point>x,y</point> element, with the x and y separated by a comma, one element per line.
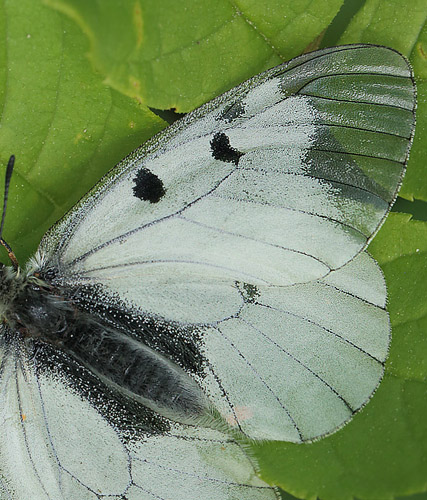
<point>401,249</point>
<point>386,22</point>
<point>415,186</point>
<point>402,26</point>
<point>180,55</point>
<point>65,127</point>
<point>417,496</point>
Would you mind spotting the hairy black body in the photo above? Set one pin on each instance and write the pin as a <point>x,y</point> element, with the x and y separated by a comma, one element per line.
<point>36,309</point>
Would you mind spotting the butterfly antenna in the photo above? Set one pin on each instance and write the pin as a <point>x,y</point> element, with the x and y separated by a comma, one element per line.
<point>9,171</point>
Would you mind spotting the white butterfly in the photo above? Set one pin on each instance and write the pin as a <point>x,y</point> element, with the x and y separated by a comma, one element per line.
<point>217,277</point>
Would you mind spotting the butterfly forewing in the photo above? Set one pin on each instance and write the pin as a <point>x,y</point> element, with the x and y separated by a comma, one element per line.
<point>326,162</point>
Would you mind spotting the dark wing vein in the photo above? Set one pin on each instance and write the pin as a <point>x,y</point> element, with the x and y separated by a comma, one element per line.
<point>249,238</point>
<point>152,223</point>
<point>316,375</point>
<point>340,49</point>
<point>23,428</point>
<point>382,105</point>
<point>332,181</point>
<point>323,328</point>
<point>224,393</point>
<point>319,125</point>
<point>323,283</point>
<point>298,210</point>
<point>263,382</point>
<point>356,154</point>
<point>171,261</point>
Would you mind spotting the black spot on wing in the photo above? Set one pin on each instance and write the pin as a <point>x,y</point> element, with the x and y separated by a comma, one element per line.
<point>249,293</point>
<point>148,186</point>
<point>222,150</point>
<point>232,112</point>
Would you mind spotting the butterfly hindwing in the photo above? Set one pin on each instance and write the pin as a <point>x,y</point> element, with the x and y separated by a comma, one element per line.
<point>297,362</point>
<point>56,444</point>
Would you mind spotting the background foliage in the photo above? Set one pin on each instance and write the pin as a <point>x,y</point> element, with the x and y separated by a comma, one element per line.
<point>78,84</point>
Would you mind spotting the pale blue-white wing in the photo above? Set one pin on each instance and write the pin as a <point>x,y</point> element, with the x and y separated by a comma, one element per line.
<point>278,181</point>
<point>242,223</point>
<point>295,363</point>
<point>289,363</point>
<point>55,445</point>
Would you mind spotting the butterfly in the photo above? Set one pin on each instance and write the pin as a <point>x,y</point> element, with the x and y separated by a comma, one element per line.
<point>215,283</point>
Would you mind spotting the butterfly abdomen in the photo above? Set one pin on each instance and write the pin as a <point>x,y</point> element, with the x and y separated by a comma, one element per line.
<point>37,309</point>
<point>134,369</point>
